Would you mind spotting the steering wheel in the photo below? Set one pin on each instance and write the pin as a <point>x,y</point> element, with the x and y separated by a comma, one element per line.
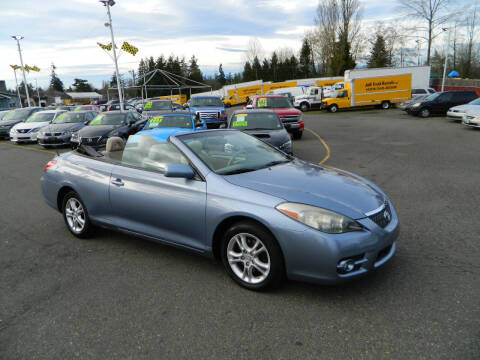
<point>235,156</point>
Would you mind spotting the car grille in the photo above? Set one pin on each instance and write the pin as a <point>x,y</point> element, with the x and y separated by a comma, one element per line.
<point>23,131</point>
<point>208,115</point>
<point>53,134</point>
<point>290,118</point>
<point>90,140</point>
<point>383,217</point>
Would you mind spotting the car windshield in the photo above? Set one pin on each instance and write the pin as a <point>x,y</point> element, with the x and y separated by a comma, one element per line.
<point>70,117</point>
<point>108,119</point>
<point>158,105</point>
<point>170,121</point>
<point>474,102</point>
<point>273,102</point>
<point>206,101</point>
<point>41,117</point>
<point>433,96</point>
<point>255,121</point>
<point>233,152</point>
<point>19,114</point>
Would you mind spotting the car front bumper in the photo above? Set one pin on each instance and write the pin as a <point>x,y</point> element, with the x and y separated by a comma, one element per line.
<point>315,257</point>
<point>471,123</point>
<point>457,116</point>
<point>23,138</point>
<point>54,140</point>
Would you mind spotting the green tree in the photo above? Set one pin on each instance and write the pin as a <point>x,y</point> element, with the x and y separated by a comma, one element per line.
<point>55,83</point>
<point>248,74</point>
<point>307,67</point>
<point>379,56</point>
<point>342,58</point>
<point>81,85</point>
<point>256,68</point>
<point>221,76</point>
<point>194,72</point>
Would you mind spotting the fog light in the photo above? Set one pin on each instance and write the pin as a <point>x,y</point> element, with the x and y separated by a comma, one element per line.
<point>346,266</point>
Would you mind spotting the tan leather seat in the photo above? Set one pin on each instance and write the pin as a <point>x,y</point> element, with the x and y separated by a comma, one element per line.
<point>114,148</point>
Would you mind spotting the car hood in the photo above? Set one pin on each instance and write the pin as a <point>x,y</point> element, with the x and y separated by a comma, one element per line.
<point>287,111</point>
<point>193,109</point>
<point>63,127</point>
<point>31,125</point>
<point>97,130</point>
<point>273,137</point>
<point>304,183</point>
<point>466,107</point>
<point>9,122</point>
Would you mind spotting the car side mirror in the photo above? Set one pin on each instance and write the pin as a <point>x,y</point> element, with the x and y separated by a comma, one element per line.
<point>86,122</point>
<point>186,106</point>
<point>249,106</point>
<point>179,171</point>
<point>199,123</point>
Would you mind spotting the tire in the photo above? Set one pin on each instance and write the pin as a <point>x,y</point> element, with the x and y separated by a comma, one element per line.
<point>333,108</point>
<point>297,135</point>
<point>386,105</point>
<point>424,113</point>
<point>261,271</point>
<point>74,222</point>
<point>304,107</point>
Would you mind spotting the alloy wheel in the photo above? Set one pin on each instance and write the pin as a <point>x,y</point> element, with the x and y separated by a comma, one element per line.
<point>75,215</point>
<point>248,258</point>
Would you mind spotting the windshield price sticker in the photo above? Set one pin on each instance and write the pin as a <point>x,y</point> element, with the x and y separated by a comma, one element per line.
<point>262,102</point>
<point>240,123</point>
<point>78,108</point>
<point>96,122</point>
<point>148,105</point>
<point>240,116</point>
<point>156,119</point>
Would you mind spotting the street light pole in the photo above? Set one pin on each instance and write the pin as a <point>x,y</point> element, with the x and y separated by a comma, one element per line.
<point>18,38</point>
<point>418,52</point>
<point>446,59</point>
<point>18,90</point>
<point>107,4</point>
<point>38,93</point>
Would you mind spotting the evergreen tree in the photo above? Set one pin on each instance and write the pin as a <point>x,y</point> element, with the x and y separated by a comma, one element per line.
<point>342,58</point>
<point>194,72</point>
<point>55,83</point>
<point>160,63</point>
<point>150,64</point>
<point>256,68</point>
<point>306,64</point>
<point>81,85</point>
<point>248,74</point>
<point>274,67</point>
<point>379,56</point>
<point>293,67</point>
<point>266,73</point>
<point>221,76</point>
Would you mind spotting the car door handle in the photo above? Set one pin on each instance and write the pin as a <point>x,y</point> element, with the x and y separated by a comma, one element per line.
<point>118,182</point>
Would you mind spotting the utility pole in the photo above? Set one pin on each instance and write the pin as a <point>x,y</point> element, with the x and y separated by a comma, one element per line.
<point>446,58</point>
<point>18,38</point>
<point>38,93</point>
<point>107,4</point>
<point>418,52</point>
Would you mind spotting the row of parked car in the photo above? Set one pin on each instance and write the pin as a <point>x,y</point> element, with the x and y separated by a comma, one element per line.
<point>461,106</point>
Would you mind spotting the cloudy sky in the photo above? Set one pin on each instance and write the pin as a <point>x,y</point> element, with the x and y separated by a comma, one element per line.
<point>65,32</point>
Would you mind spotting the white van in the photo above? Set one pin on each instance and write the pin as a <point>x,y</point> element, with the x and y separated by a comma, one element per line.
<point>291,92</point>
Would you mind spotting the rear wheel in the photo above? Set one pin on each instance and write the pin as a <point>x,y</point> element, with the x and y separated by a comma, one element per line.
<point>75,215</point>
<point>386,105</point>
<point>425,113</point>
<point>252,257</point>
<point>333,108</point>
<point>304,107</point>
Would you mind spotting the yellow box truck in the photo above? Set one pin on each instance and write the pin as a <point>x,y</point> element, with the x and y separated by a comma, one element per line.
<point>179,98</point>
<point>382,91</point>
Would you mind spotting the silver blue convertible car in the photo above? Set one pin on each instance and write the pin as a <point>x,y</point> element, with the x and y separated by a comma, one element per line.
<point>226,194</point>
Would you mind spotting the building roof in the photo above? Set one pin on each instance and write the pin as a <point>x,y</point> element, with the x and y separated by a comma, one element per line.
<point>84,95</point>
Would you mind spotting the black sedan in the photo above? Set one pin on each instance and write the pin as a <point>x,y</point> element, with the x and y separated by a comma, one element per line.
<point>61,129</point>
<point>263,124</point>
<point>106,125</point>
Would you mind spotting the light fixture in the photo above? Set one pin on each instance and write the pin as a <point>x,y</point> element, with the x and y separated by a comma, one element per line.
<point>17,37</point>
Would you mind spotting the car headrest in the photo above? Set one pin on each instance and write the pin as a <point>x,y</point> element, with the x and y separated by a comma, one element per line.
<point>115,143</point>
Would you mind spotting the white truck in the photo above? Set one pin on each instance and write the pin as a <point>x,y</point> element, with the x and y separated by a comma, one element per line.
<point>312,99</point>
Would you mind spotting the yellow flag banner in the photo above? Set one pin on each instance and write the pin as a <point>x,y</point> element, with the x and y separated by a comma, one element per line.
<point>28,68</point>
<point>15,67</point>
<point>105,47</point>
<point>129,48</point>
<point>35,68</point>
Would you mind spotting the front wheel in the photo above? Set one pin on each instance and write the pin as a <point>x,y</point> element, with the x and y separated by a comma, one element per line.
<point>424,113</point>
<point>386,105</point>
<point>333,108</point>
<point>252,257</point>
<point>75,215</point>
<point>304,107</point>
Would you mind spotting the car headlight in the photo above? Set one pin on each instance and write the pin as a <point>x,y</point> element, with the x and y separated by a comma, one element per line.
<point>75,136</point>
<point>67,132</point>
<point>416,105</point>
<point>321,219</point>
<point>286,145</point>
<point>34,130</point>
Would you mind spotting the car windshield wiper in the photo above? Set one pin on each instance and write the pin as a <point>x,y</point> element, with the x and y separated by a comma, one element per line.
<point>239,171</point>
<point>259,129</point>
<point>273,163</point>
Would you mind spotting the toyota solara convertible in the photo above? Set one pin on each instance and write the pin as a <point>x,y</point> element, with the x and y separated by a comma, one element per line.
<point>228,195</point>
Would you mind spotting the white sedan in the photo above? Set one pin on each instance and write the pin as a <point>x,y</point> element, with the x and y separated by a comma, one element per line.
<point>27,131</point>
<point>457,112</point>
<point>472,118</point>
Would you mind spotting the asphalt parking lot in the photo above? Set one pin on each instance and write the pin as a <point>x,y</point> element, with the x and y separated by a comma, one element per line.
<point>119,297</point>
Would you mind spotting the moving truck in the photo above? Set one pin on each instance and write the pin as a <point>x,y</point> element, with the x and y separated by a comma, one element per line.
<point>231,99</point>
<point>381,90</point>
<point>280,85</point>
<point>179,98</point>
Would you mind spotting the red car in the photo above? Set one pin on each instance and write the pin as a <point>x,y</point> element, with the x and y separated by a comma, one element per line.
<point>291,117</point>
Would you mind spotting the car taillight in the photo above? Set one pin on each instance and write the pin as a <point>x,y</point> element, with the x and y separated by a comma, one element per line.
<point>302,125</point>
<point>50,164</point>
